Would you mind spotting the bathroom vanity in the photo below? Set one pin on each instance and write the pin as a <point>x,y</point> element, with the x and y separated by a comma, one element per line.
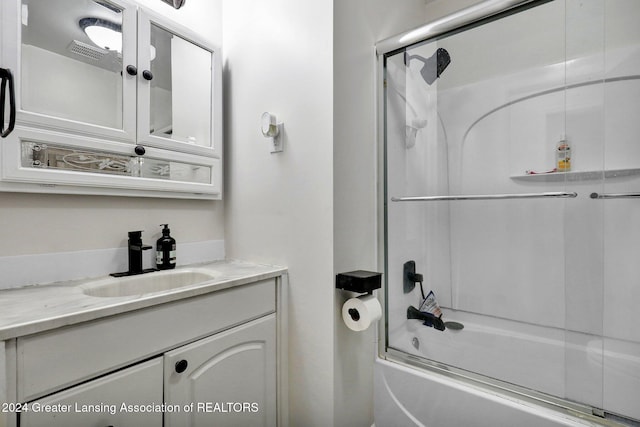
<point>213,351</point>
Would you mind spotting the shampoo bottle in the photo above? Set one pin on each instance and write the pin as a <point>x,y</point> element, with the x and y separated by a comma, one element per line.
<point>563,155</point>
<point>166,250</point>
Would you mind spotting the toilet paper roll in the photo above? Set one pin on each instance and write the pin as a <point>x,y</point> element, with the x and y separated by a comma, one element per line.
<point>359,313</point>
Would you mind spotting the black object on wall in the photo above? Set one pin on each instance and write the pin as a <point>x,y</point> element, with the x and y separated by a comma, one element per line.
<point>6,79</point>
<point>175,3</point>
<point>359,281</point>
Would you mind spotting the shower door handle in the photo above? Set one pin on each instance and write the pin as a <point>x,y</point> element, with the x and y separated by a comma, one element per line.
<point>552,194</point>
<point>615,195</point>
<point>6,79</point>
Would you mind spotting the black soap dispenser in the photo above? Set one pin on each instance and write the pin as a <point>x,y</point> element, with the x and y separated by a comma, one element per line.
<point>166,250</point>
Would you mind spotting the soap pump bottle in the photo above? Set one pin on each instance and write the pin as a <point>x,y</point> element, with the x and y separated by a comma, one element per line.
<point>166,250</point>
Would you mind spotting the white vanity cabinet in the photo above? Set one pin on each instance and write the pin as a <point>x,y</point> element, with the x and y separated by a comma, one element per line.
<point>139,113</point>
<point>99,403</point>
<point>213,359</point>
<point>229,378</point>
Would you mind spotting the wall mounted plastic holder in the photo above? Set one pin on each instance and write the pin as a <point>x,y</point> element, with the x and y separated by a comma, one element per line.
<point>359,281</point>
<point>410,277</point>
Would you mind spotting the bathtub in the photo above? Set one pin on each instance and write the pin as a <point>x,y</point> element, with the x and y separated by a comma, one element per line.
<point>407,397</point>
<point>580,367</point>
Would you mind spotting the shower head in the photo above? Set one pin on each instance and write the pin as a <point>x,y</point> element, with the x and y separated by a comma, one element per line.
<point>433,66</point>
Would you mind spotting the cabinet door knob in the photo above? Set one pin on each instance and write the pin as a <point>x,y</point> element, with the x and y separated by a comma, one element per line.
<point>132,70</point>
<point>181,366</point>
<point>139,150</point>
<point>147,75</point>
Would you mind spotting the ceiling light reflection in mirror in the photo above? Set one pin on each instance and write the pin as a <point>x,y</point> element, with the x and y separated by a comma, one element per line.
<point>106,34</point>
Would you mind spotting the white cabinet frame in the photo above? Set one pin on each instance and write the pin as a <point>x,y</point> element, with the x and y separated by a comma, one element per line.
<point>146,19</point>
<point>11,14</point>
<point>136,24</point>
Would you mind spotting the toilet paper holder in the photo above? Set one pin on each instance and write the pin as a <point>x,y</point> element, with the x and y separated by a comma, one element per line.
<point>358,313</point>
<point>359,281</point>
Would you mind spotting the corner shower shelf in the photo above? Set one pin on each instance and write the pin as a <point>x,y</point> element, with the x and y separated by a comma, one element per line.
<point>577,175</point>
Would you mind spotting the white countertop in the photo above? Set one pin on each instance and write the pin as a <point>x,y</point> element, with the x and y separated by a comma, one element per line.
<point>33,309</point>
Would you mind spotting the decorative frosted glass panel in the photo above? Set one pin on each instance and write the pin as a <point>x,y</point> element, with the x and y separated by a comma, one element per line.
<point>48,156</point>
<point>64,73</point>
<point>70,159</point>
<point>175,171</point>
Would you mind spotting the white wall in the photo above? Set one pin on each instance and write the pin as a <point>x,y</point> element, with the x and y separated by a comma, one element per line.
<point>312,207</point>
<point>204,17</point>
<point>278,58</point>
<point>358,24</point>
<point>439,8</point>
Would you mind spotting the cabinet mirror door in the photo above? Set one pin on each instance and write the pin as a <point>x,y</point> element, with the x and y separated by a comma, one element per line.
<point>176,89</point>
<point>73,61</point>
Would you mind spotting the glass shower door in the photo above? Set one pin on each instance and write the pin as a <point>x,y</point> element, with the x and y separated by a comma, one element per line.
<point>496,136</point>
<point>620,207</point>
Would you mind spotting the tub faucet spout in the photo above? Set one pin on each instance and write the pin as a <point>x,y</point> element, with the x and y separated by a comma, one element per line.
<point>427,318</point>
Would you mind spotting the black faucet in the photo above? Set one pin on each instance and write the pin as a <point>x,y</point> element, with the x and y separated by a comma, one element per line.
<point>135,248</point>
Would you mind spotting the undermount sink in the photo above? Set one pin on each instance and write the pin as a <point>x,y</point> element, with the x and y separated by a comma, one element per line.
<point>147,283</point>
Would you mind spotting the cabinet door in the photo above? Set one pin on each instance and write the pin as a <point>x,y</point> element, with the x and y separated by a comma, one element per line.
<point>69,59</point>
<point>99,403</point>
<point>179,105</point>
<point>230,378</point>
